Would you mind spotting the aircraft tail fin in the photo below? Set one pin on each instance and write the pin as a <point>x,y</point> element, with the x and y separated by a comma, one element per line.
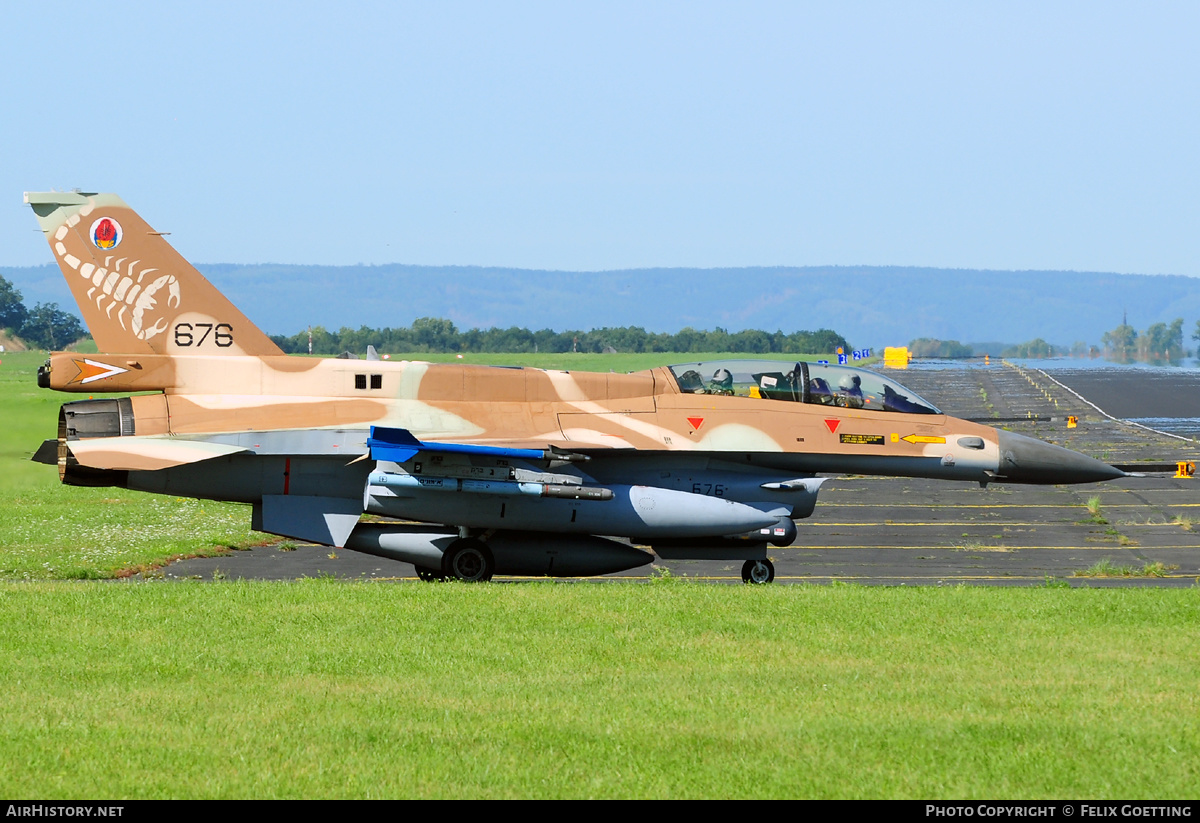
<point>136,293</point>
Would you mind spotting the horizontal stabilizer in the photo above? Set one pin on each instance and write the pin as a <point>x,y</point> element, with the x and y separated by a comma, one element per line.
<point>47,453</point>
<point>145,453</point>
<point>289,442</point>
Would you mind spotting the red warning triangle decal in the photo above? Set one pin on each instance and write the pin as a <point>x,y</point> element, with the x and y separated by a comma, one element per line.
<point>832,424</point>
<point>696,422</point>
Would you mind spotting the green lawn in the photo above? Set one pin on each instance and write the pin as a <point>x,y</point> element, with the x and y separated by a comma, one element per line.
<point>48,530</point>
<point>665,689</point>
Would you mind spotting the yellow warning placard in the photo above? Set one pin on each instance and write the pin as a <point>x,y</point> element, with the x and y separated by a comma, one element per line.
<point>862,439</point>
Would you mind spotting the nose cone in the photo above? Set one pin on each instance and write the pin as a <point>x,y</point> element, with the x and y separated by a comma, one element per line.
<point>1027,460</point>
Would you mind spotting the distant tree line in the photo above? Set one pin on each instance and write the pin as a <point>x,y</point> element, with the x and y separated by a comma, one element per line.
<point>1034,348</point>
<point>45,326</point>
<point>943,349</point>
<point>1161,341</point>
<point>948,349</point>
<point>435,334</point>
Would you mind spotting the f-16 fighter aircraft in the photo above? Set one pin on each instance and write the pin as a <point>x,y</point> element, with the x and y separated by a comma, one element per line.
<point>471,470</point>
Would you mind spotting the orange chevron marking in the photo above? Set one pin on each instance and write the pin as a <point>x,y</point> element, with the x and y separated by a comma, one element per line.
<point>90,370</point>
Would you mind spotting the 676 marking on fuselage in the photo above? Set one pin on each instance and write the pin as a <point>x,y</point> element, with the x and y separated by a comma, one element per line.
<point>186,334</point>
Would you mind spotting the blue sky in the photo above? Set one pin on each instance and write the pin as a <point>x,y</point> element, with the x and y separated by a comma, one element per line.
<point>589,136</point>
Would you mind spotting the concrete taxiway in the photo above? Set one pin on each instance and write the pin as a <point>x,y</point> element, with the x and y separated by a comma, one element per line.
<point>898,531</point>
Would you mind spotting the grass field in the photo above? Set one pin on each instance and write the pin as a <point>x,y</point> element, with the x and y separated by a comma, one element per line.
<point>666,688</point>
<point>48,530</point>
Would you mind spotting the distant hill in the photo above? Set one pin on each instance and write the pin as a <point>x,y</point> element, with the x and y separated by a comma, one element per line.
<point>8,344</point>
<point>869,305</point>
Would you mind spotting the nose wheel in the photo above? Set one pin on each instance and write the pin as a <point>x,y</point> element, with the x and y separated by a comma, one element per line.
<point>758,572</point>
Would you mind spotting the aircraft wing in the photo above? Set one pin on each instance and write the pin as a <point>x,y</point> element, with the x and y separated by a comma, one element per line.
<point>152,452</point>
<point>353,444</point>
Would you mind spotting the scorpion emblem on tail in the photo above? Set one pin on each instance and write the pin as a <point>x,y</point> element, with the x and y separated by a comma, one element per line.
<point>131,285</point>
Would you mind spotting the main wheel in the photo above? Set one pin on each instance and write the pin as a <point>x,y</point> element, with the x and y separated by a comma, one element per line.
<point>468,560</point>
<point>757,572</point>
<point>429,575</point>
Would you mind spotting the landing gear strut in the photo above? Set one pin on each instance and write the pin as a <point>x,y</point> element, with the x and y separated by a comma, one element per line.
<point>758,572</point>
<point>468,560</point>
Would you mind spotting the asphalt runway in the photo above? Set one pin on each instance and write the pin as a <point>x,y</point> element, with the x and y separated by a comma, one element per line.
<point>1151,394</point>
<point>896,531</point>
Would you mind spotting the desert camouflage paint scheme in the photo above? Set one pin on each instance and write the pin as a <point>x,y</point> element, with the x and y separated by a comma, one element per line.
<point>511,470</point>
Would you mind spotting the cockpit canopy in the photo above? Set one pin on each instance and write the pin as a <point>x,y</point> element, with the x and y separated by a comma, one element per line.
<point>803,383</point>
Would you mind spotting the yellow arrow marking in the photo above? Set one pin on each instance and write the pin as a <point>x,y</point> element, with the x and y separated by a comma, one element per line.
<point>923,438</point>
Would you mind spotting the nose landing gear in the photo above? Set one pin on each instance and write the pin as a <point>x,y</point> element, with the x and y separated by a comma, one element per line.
<point>758,572</point>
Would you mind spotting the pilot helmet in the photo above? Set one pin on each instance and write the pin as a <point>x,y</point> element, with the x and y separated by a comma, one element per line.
<point>723,380</point>
<point>849,382</point>
<point>691,380</point>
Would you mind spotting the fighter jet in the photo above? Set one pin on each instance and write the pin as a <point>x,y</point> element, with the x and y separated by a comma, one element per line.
<point>471,471</point>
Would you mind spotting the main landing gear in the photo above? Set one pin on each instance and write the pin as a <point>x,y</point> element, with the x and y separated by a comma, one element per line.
<point>758,572</point>
<point>469,560</point>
